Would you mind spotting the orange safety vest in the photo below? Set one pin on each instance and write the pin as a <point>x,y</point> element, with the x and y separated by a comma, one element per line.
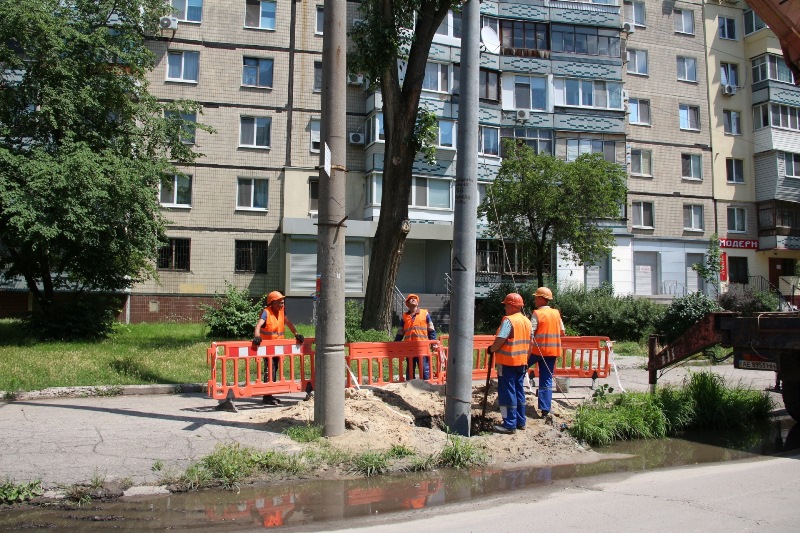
<point>415,328</point>
<point>548,333</point>
<point>274,326</point>
<point>517,347</point>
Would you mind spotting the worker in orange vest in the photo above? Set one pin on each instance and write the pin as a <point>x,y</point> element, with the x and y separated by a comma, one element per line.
<point>548,328</point>
<point>417,326</point>
<point>511,349</point>
<point>272,325</point>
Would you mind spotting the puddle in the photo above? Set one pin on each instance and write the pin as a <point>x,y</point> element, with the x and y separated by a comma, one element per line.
<point>298,503</point>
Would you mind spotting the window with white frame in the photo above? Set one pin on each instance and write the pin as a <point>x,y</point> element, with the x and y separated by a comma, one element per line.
<point>635,12</point>
<point>576,147</point>
<point>489,141</point>
<point>188,10</point>
<point>587,93</point>
<point>450,26</point>
<point>684,21</point>
<point>320,22</point>
<point>734,169</point>
<point>784,116</point>
<point>530,92</point>
<point>689,117</point>
<point>187,125</point>
<point>771,67</point>
<point>251,256</point>
<point>693,217</point>
<point>183,65</point>
<point>317,76</point>
<point>638,111</point>
<point>687,69</point>
<point>437,77</point>
<point>252,194</point>
<point>729,74</point>
<point>752,22</point>
<point>761,116</point>
<point>791,164</point>
<point>538,140</point>
<point>637,61</point>
<point>255,132</point>
<point>642,213</point>
<point>641,162</point>
<point>176,191</point>
<point>737,219</point>
<point>732,122</point>
<point>430,192</point>
<point>260,14</point>
<point>375,186</point>
<point>375,131</point>
<point>489,85</point>
<point>313,128</point>
<point>691,166</point>
<point>727,28</point>
<point>257,72</point>
<point>446,134</point>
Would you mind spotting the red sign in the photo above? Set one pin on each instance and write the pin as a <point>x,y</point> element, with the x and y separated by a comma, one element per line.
<point>723,266</point>
<point>738,243</point>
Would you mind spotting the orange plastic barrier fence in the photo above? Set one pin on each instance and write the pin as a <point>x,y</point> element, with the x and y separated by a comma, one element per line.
<point>239,369</point>
<point>381,363</point>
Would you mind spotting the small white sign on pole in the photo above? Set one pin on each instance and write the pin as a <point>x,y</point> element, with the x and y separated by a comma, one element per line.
<point>327,160</point>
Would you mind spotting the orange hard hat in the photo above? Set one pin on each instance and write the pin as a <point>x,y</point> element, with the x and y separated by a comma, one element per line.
<point>513,299</point>
<point>273,296</point>
<point>412,295</point>
<point>544,292</point>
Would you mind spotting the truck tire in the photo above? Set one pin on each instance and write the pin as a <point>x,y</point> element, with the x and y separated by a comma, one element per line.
<point>791,398</point>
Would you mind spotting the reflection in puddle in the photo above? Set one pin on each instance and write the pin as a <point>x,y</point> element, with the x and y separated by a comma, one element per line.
<point>304,502</point>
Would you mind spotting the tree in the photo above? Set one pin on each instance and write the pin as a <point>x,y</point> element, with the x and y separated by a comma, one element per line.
<point>540,201</point>
<point>83,145</point>
<point>709,272</point>
<point>385,46</point>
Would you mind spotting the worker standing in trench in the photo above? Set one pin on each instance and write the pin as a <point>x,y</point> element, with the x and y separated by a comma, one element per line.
<point>417,326</point>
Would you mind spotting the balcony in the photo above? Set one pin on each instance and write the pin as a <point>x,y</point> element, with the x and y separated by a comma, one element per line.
<point>778,225</point>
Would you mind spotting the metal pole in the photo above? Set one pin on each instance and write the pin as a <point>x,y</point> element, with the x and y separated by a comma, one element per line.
<point>330,379</point>
<point>458,401</point>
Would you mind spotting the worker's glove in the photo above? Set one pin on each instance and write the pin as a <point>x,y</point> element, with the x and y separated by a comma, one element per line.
<point>299,338</point>
<point>256,341</point>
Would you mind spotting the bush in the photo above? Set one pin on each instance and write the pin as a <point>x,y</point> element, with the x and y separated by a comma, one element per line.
<point>684,312</point>
<point>748,302</point>
<point>233,316</point>
<point>77,316</point>
<point>490,311</point>
<point>353,312</point>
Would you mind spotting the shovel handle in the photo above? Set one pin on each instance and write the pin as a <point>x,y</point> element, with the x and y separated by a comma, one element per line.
<point>488,380</point>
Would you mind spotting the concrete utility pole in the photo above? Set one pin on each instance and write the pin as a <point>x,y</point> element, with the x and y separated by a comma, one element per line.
<point>329,385</point>
<point>458,402</point>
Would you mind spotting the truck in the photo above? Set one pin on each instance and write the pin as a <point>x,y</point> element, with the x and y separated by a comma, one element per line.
<point>767,341</point>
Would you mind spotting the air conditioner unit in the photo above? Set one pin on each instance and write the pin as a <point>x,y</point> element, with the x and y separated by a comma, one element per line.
<point>729,90</point>
<point>355,79</point>
<point>523,114</point>
<point>356,138</point>
<point>628,27</point>
<point>168,23</point>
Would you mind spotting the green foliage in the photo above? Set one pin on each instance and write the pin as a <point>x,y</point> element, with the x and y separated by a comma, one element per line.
<point>229,464</point>
<point>459,452</point>
<point>490,310</point>
<point>233,316</point>
<point>399,451</point>
<point>425,134</point>
<point>353,312</point>
<point>279,462</point>
<point>306,433</point>
<point>370,463</point>
<point>11,492</point>
<point>747,302</point>
<point>630,348</point>
<point>684,312</point>
<point>601,395</point>
<point>709,271</point>
<point>158,465</point>
<point>83,316</point>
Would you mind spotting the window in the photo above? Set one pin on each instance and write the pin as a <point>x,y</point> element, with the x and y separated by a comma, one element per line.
<point>429,192</point>
<point>784,116</point>
<point>732,122</point>
<point>641,162</point>
<point>689,117</point>
<point>684,21</point>
<point>727,28</point>
<point>317,76</point>
<point>450,26</point>
<point>187,121</point>
<point>642,214</point>
<point>257,72</point>
<point>585,40</point>
<point>737,219</point>
<point>761,116</point>
<point>639,111</point>
<point>188,10</point>
<point>375,128</point>
<point>255,132</point>
<point>446,135</point>
<point>251,256</point>
<point>313,127</point>
<point>519,36</point>
<point>251,193</point>
<point>183,66</point>
<point>737,270</point>
<point>735,170</point>
<point>489,85</point>
<point>437,77</point>
<point>792,164</point>
<point>693,218</point>
<point>637,62</point>
<point>635,12</point>
<point>530,92</point>
<point>692,166</point>
<point>576,147</point>
<point>687,69</point>
<point>175,255</point>
<point>313,195</point>
<point>176,190</point>
<point>540,141</point>
<point>259,14</point>
<point>752,22</point>
<point>772,67</point>
<point>729,74</point>
<point>489,141</point>
<point>320,24</point>
<point>588,93</point>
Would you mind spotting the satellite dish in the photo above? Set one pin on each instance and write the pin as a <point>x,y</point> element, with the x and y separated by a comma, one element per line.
<point>490,40</point>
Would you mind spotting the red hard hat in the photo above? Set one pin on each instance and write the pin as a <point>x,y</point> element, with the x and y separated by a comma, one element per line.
<point>513,299</point>
<point>273,296</point>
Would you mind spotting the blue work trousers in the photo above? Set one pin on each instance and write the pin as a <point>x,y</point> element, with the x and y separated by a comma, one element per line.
<point>547,366</point>
<point>413,365</point>
<point>511,395</point>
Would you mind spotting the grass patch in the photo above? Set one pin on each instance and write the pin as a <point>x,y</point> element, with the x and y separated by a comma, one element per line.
<point>459,452</point>
<point>11,492</point>
<point>704,401</point>
<point>305,433</point>
<point>370,463</point>
<point>398,451</point>
<point>629,348</point>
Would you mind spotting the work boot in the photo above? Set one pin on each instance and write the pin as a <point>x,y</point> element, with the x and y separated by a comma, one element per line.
<point>503,430</point>
<point>270,400</point>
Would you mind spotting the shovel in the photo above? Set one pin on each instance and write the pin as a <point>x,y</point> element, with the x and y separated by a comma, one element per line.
<point>488,382</point>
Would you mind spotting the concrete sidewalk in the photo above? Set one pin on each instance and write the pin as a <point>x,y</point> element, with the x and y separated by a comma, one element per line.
<point>67,440</point>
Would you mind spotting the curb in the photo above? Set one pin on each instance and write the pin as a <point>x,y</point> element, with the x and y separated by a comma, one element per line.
<point>103,390</point>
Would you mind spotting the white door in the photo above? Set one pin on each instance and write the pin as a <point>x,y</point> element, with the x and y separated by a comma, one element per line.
<point>645,265</point>
<point>694,282</point>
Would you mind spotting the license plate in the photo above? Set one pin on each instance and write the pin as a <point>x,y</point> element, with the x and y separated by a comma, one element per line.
<point>758,365</point>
